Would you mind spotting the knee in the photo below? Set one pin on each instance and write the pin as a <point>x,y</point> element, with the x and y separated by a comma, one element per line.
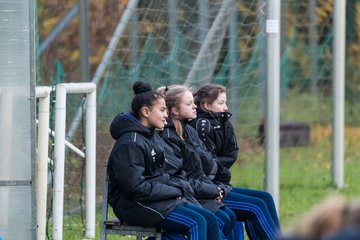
<point>259,202</point>
<point>232,216</point>
<point>211,219</point>
<point>226,218</point>
<point>200,220</point>
<point>268,196</point>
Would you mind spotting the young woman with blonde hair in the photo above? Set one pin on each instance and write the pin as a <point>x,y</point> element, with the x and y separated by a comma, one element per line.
<point>182,109</point>
<point>179,137</point>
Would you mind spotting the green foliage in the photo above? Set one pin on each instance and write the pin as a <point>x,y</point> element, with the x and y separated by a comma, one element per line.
<point>103,17</point>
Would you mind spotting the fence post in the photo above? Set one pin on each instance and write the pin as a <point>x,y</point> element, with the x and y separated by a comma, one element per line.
<point>338,87</point>
<point>272,125</point>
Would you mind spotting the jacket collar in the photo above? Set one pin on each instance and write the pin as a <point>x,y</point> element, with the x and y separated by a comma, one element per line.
<point>220,117</point>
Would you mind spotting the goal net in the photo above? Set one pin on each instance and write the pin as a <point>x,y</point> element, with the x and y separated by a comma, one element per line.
<point>192,43</point>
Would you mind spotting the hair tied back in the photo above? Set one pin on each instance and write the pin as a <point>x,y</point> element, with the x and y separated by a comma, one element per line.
<point>141,87</point>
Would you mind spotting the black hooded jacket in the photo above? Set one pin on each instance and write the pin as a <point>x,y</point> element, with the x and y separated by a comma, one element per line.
<point>193,157</point>
<point>217,132</point>
<point>140,192</point>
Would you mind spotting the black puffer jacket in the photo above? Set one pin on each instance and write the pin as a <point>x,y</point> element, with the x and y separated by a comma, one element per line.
<point>192,155</point>
<point>140,192</point>
<point>217,132</point>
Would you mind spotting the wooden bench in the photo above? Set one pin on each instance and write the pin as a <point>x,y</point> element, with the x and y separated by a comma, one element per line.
<point>116,227</point>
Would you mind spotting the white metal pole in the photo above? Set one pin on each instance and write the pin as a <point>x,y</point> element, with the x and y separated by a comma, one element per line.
<point>272,123</point>
<point>59,161</point>
<point>70,146</point>
<point>90,164</point>
<point>87,87</point>
<point>338,86</point>
<point>43,93</point>
<point>60,119</point>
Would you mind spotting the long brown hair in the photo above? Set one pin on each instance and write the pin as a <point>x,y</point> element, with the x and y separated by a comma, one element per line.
<point>173,95</point>
<point>208,93</point>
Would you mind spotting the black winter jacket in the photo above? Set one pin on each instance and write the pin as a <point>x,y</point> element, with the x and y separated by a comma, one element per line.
<point>192,157</point>
<point>140,192</point>
<point>217,132</point>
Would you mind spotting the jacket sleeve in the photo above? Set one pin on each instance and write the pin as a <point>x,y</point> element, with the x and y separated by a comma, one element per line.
<point>208,159</point>
<point>201,189</point>
<point>232,149</point>
<point>179,178</point>
<point>128,166</point>
<point>204,189</point>
<point>228,159</point>
<point>208,136</point>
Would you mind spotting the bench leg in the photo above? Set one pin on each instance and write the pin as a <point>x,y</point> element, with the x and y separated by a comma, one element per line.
<point>102,232</point>
<point>138,237</point>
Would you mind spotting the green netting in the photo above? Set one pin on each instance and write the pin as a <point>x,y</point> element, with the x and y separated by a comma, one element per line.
<point>162,70</point>
<point>297,74</point>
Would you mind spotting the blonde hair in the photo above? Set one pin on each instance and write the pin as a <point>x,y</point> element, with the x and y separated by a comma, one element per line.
<point>173,94</point>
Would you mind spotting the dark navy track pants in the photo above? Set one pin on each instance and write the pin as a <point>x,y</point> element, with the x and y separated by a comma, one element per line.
<point>257,210</point>
<point>227,219</point>
<point>195,222</point>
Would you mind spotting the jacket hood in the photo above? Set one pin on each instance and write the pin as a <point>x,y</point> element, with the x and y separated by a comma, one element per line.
<point>126,122</point>
<point>221,116</point>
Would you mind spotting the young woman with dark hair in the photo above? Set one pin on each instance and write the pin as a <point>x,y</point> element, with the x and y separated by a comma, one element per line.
<point>140,191</point>
<point>217,133</point>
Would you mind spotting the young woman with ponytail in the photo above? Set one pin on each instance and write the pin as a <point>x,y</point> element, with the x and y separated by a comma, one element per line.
<point>186,142</point>
<point>179,136</point>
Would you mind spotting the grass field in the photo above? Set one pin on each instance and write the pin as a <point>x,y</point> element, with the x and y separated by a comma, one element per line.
<point>305,172</point>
